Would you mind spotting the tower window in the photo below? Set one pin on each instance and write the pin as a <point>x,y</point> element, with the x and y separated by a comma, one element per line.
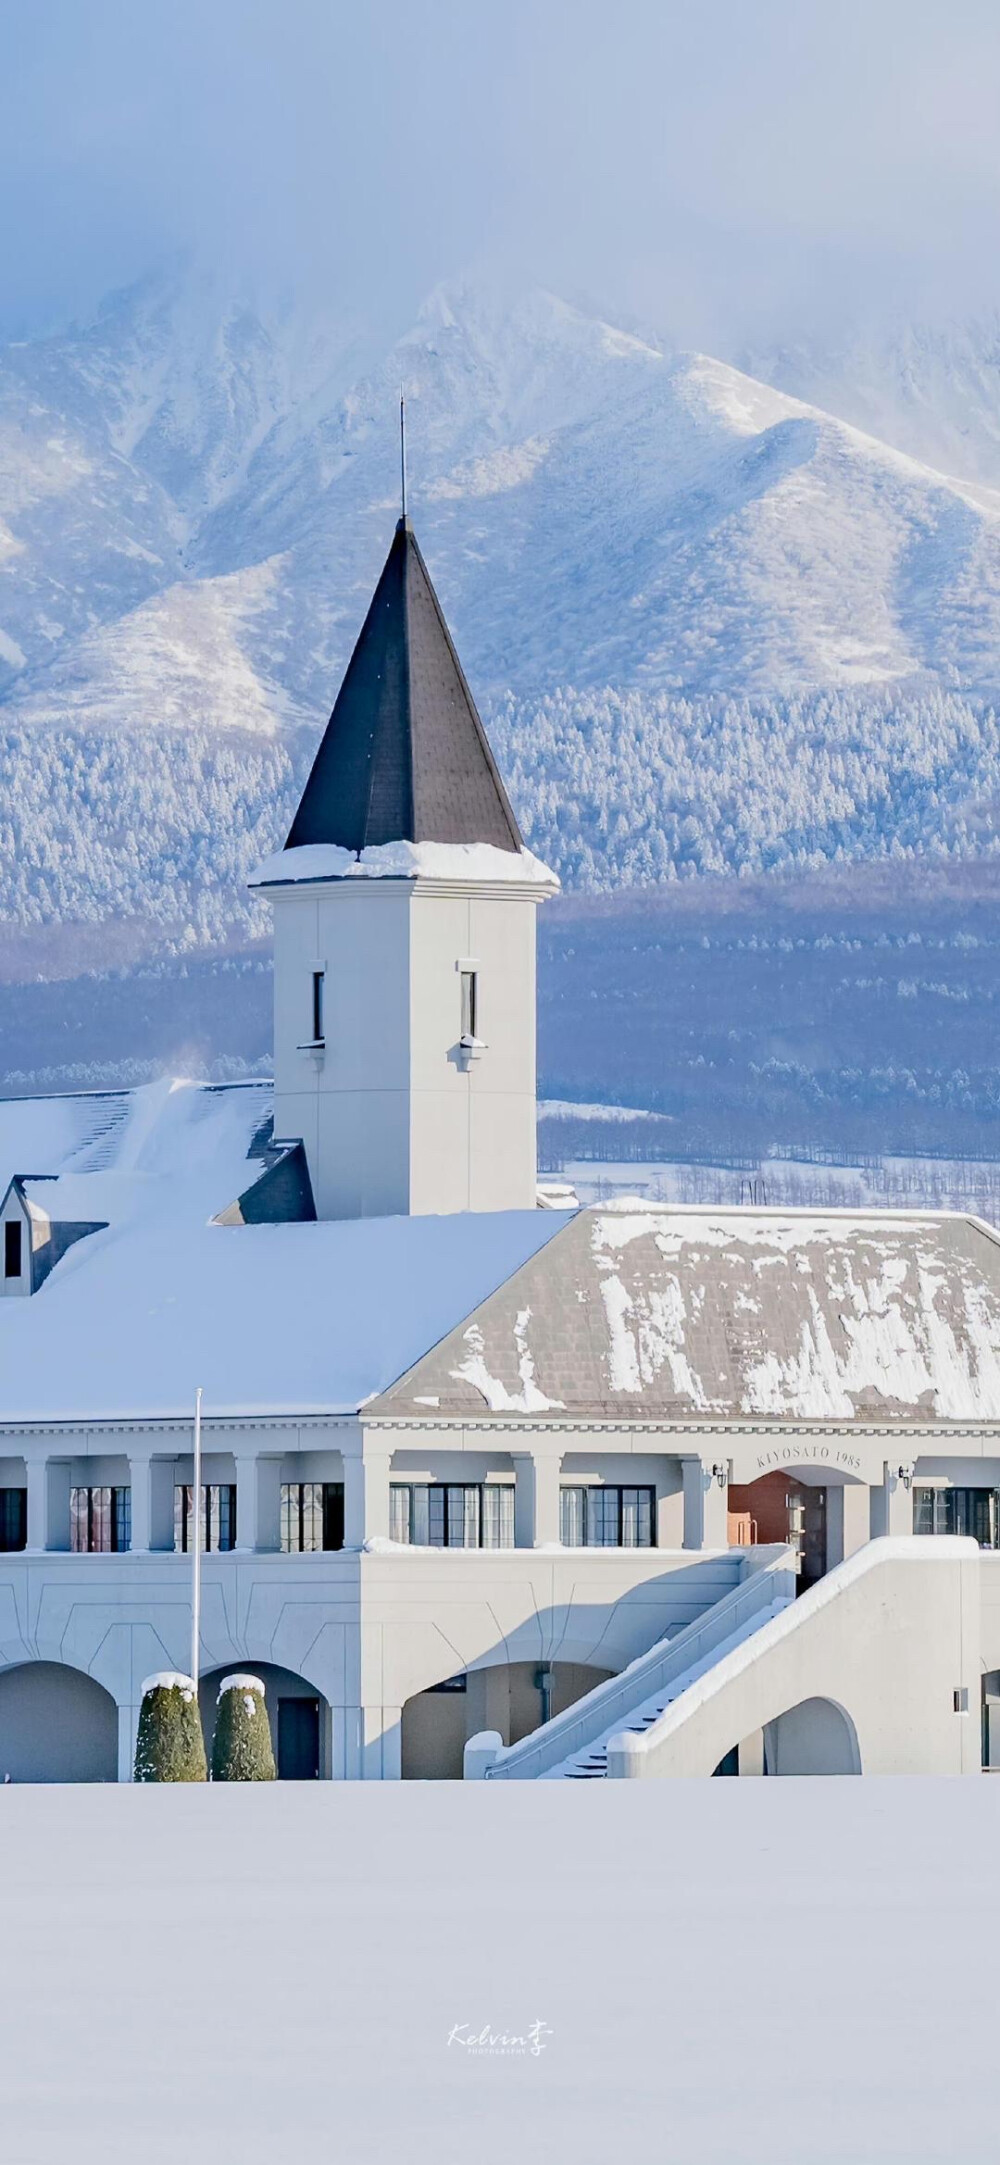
<point>12,1248</point>
<point>470,1003</point>
<point>318,1021</point>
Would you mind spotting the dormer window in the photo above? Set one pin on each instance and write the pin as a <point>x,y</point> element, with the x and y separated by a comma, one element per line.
<point>34,1238</point>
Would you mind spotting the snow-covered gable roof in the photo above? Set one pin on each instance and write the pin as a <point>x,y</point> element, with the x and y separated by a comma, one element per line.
<point>665,1314</point>
<point>286,1319</point>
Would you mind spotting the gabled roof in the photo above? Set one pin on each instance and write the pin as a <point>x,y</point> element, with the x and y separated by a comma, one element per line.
<point>653,1313</point>
<point>274,1318</point>
<point>404,757</point>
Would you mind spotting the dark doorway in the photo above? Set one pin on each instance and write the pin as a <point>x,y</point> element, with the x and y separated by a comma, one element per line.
<point>779,1507</point>
<point>298,1740</point>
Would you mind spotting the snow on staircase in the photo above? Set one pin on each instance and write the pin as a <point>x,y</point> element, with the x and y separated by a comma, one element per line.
<point>592,1763</point>
<point>573,1745</point>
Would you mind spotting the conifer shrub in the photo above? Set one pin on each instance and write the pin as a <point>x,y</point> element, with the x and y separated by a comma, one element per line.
<point>170,1746</point>
<point>241,1749</point>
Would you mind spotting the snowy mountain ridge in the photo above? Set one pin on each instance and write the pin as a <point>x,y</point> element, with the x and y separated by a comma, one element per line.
<point>713,625</point>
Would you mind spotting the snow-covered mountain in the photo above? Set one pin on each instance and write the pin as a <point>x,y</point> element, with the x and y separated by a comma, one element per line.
<point>597,512</point>
<point>930,390</point>
<point>713,624</point>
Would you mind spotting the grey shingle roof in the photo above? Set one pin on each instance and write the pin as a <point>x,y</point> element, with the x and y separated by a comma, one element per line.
<point>404,757</point>
<point>656,1314</point>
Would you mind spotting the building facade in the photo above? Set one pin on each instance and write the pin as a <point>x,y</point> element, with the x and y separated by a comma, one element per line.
<point>466,1458</point>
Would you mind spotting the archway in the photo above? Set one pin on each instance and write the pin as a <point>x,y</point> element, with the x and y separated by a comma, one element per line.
<point>56,1725</point>
<point>511,1697</point>
<point>298,1715</point>
<point>815,1737</point>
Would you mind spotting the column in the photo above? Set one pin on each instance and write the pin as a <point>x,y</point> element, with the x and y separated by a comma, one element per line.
<point>140,1466</point>
<point>162,1480</point>
<point>381,1743</point>
<point>258,1502</point>
<point>891,1504</point>
<point>37,1474</point>
<point>48,1503</point>
<point>847,1520</point>
<point>366,1497</point>
<point>536,1499</point>
<point>705,1507</point>
<point>128,1724</point>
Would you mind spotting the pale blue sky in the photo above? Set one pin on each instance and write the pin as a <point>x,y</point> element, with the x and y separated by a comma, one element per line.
<point>723,171</point>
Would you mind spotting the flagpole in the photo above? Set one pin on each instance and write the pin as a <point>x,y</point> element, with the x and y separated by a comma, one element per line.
<point>196,1549</point>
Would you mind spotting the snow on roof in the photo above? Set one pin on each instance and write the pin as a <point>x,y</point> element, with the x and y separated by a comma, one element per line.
<point>634,1310</point>
<point>667,1314</point>
<point>453,861</point>
<point>296,1318</point>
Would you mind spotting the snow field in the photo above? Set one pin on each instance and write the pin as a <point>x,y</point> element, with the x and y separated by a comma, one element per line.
<point>723,1971</point>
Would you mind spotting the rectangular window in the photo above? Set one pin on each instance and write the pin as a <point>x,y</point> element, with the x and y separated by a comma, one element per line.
<point>452,1515</point>
<point>971,1511</point>
<point>100,1521</point>
<point>13,1518</point>
<point>312,1516</point>
<point>498,1515</point>
<point>470,1003</point>
<point>218,1516</point>
<point>319,1002</point>
<point>606,1518</point>
<point>12,1248</point>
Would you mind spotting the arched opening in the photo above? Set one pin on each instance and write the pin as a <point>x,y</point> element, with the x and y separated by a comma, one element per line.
<point>298,1715</point>
<point>815,1737</point>
<point>56,1725</point>
<point>511,1697</point>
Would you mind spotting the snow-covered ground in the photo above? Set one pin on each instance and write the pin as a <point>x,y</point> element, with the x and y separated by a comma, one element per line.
<point>890,1183</point>
<point>733,1971</point>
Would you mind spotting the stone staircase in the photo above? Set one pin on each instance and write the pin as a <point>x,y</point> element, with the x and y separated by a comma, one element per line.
<point>573,1745</point>
<point>591,1764</point>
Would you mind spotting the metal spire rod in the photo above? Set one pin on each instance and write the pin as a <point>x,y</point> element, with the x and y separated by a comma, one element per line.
<point>196,1544</point>
<point>402,448</point>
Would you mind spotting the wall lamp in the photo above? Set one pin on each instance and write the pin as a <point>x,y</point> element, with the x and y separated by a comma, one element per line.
<point>905,1474</point>
<point>720,1474</point>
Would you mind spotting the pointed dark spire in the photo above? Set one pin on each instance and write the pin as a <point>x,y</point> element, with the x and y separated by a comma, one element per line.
<point>404,757</point>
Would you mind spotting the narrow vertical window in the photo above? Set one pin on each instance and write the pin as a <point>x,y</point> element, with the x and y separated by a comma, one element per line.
<point>12,1248</point>
<point>399,1512</point>
<point>13,1518</point>
<point>319,1024</point>
<point>470,1003</point>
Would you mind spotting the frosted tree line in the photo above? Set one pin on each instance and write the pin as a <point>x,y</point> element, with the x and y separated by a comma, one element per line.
<point>613,788</point>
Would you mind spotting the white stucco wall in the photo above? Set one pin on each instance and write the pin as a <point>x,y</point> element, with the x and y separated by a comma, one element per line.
<point>393,1118</point>
<point>888,1638</point>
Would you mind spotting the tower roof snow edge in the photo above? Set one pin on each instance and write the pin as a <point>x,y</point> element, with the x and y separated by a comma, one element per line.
<point>404,757</point>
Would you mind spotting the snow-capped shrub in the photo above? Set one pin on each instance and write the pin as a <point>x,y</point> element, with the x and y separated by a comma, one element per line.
<point>241,1750</point>
<point>170,1746</point>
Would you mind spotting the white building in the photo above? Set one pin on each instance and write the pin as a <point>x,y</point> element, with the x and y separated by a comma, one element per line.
<point>468,1459</point>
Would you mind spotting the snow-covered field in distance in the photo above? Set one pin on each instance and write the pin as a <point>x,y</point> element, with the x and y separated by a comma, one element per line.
<point>776,1183</point>
<point>725,1970</point>
<point>848,1016</point>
